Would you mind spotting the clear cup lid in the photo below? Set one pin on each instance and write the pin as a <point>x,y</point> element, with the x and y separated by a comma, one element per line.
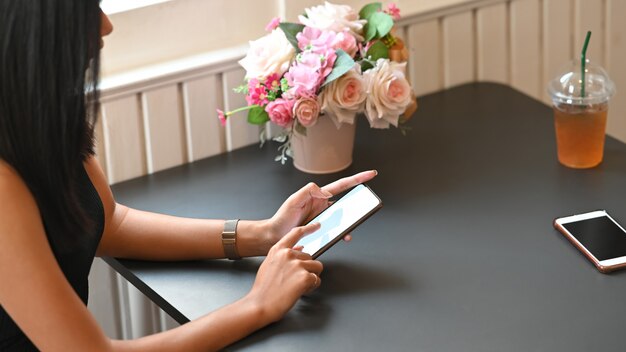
<point>566,87</point>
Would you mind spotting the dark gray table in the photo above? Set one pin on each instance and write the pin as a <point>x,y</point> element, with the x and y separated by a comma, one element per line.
<point>462,257</point>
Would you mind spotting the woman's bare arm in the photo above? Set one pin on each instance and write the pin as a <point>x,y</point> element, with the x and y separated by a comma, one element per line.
<point>132,233</point>
<point>36,294</point>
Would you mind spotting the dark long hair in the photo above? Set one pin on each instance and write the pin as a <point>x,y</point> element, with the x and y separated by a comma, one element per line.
<point>49,63</point>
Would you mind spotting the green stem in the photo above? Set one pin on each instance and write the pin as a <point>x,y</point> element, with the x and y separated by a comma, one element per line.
<point>583,62</point>
<point>244,108</point>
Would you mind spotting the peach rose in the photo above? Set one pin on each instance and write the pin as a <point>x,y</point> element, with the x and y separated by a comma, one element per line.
<point>306,111</point>
<point>345,97</point>
<point>388,93</point>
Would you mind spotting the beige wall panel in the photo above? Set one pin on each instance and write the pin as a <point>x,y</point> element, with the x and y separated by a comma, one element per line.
<point>402,32</point>
<point>205,135</point>
<point>165,131</point>
<point>239,133</point>
<point>458,49</point>
<point>155,34</point>
<point>123,139</point>
<point>525,47</point>
<point>423,41</point>
<point>102,297</point>
<point>589,15</point>
<point>293,8</point>
<point>492,43</point>
<point>557,39</point>
<point>616,69</point>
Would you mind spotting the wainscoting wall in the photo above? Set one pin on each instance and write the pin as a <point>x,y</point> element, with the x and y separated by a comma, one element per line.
<point>161,116</point>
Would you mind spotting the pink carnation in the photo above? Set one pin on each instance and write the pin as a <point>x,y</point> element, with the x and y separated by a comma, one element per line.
<point>303,80</point>
<point>328,62</point>
<point>221,117</point>
<point>257,93</point>
<point>273,24</point>
<point>393,11</point>
<point>280,111</point>
<point>272,82</point>
<point>315,40</point>
<point>346,42</point>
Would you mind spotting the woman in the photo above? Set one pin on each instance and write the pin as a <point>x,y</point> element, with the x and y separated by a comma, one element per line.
<point>57,211</point>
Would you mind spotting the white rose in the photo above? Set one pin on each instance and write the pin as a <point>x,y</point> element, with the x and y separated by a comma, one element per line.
<point>270,54</point>
<point>336,18</point>
<point>388,93</point>
<point>345,97</point>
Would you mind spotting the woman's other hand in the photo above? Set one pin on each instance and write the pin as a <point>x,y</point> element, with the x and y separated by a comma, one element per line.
<point>286,274</point>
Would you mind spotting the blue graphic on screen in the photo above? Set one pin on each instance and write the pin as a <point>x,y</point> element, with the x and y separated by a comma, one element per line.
<point>339,217</point>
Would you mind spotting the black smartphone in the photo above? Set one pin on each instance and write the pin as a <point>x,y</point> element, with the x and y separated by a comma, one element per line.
<point>339,219</point>
<point>600,238</point>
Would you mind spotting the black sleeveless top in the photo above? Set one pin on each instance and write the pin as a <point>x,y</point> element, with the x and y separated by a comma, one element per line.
<point>75,261</point>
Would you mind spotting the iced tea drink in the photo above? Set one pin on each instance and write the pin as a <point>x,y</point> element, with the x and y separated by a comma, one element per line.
<point>580,114</point>
<point>580,132</point>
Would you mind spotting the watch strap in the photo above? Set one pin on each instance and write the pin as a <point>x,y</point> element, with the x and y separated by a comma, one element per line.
<point>229,239</point>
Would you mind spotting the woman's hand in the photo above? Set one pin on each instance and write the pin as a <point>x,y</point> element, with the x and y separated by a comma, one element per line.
<point>286,274</point>
<point>309,201</point>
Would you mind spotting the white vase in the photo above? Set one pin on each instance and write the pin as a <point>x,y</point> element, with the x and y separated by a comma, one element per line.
<point>325,148</point>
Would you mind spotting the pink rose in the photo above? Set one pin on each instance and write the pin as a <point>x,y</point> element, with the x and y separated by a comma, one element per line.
<point>307,110</point>
<point>280,111</point>
<point>346,42</point>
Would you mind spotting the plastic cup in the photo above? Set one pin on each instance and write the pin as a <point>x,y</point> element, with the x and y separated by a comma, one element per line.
<point>580,121</point>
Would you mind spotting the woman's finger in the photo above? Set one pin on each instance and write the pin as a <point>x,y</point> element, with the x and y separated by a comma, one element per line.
<point>292,237</point>
<point>313,266</point>
<point>314,281</point>
<point>308,192</point>
<point>346,183</point>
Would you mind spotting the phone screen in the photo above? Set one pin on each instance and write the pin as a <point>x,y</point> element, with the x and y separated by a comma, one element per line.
<point>601,236</point>
<point>339,217</point>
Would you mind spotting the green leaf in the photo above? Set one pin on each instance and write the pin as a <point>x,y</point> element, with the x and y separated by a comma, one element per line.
<point>291,30</point>
<point>366,65</point>
<point>369,10</point>
<point>370,31</point>
<point>378,50</point>
<point>343,64</point>
<point>383,23</point>
<point>300,129</point>
<point>258,116</point>
<point>241,89</point>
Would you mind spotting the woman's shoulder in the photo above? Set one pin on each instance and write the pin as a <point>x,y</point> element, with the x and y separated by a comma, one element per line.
<point>13,190</point>
<point>9,177</point>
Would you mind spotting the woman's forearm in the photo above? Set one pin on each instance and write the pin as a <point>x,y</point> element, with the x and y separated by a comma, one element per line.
<point>209,333</point>
<point>144,235</point>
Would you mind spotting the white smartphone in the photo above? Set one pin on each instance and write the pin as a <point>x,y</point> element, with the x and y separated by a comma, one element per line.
<point>600,238</point>
<point>343,216</point>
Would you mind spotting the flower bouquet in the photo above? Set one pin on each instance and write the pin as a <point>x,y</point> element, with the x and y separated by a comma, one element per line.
<point>336,63</point>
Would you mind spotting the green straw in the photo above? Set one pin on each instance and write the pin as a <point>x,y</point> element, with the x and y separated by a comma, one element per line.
<point>583,61</point>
